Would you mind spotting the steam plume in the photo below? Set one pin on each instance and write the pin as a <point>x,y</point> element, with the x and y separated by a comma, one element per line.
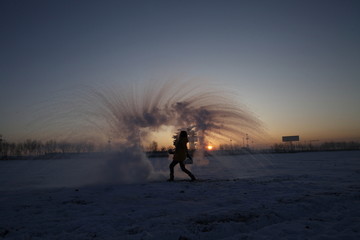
<point>128,115</point>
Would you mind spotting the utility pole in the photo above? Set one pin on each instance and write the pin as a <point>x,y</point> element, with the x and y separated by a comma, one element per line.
<point>247,140</point>
<point>109,144</point>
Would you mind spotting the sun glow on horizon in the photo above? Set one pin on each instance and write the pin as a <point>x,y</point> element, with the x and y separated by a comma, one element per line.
<point>209,147</point>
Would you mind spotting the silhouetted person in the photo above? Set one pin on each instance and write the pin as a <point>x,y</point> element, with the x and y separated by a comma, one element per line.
<point>181,152</point>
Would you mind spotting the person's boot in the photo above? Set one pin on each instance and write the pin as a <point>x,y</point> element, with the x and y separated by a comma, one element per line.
<point>171,179</point>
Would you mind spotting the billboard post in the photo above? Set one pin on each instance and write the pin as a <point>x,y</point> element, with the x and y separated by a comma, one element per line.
<point>290,140</point>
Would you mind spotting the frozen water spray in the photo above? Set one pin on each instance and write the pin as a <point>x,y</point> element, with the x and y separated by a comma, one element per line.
<point>128,115</point>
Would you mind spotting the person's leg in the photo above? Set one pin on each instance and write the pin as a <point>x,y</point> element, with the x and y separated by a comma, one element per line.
<point>182,166</point>
<point>171,166</point>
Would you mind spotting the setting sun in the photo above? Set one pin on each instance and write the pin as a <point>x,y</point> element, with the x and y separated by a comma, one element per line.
<point>209,147</point>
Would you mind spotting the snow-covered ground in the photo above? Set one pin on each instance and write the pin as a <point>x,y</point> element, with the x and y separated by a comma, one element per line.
<point>279,196</point>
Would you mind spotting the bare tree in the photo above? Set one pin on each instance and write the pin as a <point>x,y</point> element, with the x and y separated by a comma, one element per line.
<point>64,146</point>
<point>153,146</point>
<point>89,147</point>
<point>50,146</point>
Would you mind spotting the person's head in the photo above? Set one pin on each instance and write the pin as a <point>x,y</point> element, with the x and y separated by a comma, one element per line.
<point>181,137</point>
<point>183,134</point>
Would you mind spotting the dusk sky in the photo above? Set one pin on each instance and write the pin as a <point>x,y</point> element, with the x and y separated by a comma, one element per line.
<point>295,64</point>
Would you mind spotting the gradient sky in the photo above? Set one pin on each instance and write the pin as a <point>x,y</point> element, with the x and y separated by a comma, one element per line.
<point>296,64</point>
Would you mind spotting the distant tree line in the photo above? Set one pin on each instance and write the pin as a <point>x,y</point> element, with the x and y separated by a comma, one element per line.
<point>154,147</point>
<point>31,147</point>
<point>326,146</point>
<point>230,147</point>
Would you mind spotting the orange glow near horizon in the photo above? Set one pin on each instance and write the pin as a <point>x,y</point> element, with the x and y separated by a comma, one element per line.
<point>209,147</point>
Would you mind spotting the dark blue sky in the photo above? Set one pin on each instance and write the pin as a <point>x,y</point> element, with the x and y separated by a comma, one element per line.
<point>295,63</point>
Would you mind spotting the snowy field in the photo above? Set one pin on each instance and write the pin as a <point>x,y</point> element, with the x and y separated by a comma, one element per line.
<point>278,196</point>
